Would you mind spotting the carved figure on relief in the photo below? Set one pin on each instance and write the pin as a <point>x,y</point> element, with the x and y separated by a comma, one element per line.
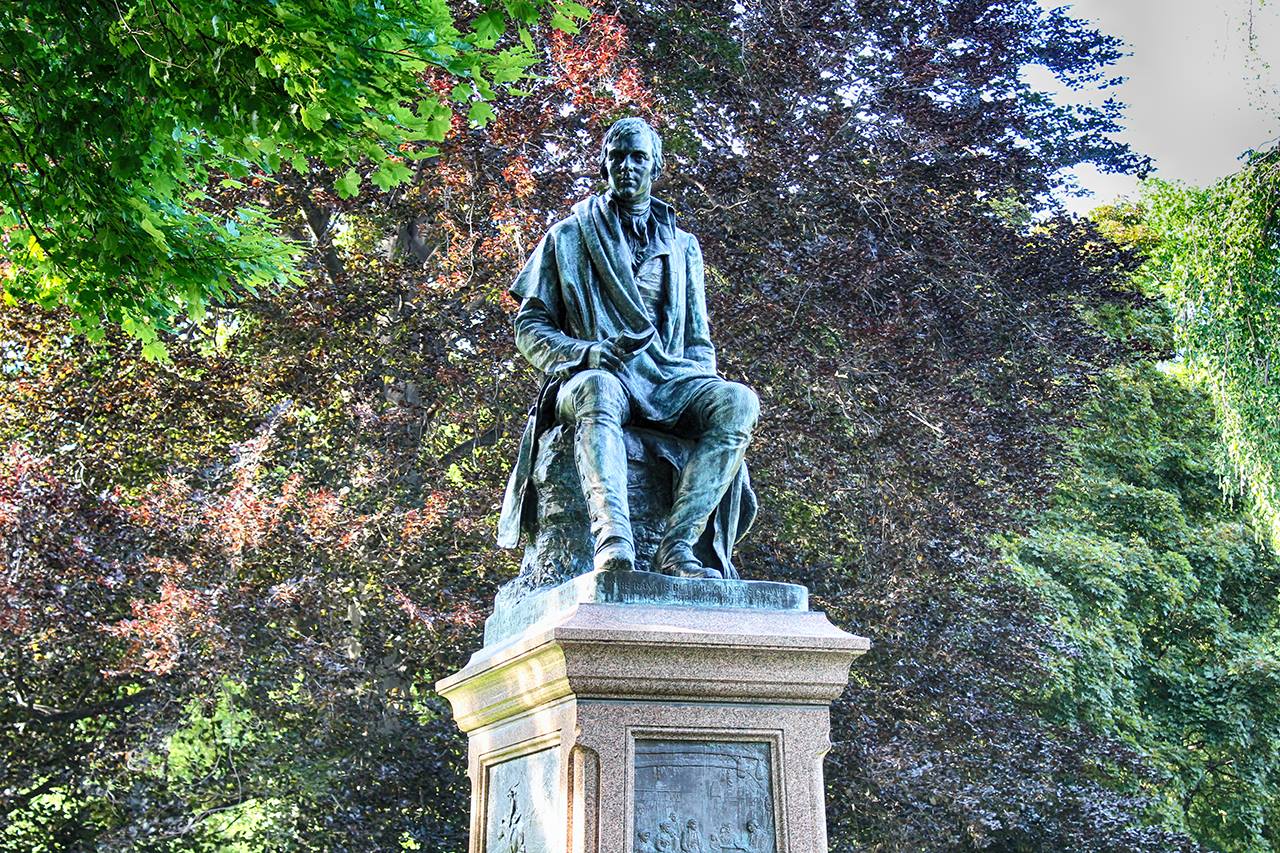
<point>511,834</point>
<point>691,838</point>
<point>723,840</point>
<point>667,841</point>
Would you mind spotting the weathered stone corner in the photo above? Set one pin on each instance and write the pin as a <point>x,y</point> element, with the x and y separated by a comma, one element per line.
<point>633,712</point>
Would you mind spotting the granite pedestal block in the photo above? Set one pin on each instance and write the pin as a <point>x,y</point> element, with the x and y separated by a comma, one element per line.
<point>636,713</point>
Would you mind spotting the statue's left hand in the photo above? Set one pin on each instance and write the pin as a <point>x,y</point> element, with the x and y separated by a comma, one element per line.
<point>605,355</point>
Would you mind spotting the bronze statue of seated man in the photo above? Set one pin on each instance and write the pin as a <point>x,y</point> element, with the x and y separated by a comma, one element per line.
<point>613,312</point>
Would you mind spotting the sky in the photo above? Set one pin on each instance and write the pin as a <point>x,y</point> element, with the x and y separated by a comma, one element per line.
<point>1199,91</point>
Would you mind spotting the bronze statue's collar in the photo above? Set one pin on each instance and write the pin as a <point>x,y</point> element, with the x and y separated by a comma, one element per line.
<point>633,209</point>
<point>645,234</point>
<point>660,210</point>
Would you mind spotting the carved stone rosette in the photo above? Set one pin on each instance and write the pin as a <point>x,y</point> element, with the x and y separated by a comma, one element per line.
<point>635,713</point>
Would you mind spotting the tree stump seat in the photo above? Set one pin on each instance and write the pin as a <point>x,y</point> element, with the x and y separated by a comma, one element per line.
<point>562,546</point>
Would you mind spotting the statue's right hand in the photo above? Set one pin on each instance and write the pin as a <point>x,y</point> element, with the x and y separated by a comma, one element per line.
<point>605,355</point>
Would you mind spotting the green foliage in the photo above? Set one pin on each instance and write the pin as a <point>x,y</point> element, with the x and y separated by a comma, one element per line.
<point>211,740</point>
<point>1215,257</point>
<point>308,507</point>
<point>196,749</point>
<point>1167,604</point>
<point>127,130</point>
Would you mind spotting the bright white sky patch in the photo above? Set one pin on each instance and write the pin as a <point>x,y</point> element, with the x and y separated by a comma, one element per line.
<point>1199,93</point>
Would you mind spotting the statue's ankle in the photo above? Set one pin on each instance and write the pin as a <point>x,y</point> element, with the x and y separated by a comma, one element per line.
<point>677,558</point>
<point>615,554</point>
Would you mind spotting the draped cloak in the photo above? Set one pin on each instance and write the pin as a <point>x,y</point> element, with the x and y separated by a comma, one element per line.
<point>578,288</point>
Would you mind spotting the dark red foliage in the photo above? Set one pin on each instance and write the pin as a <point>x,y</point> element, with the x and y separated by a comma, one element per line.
<point>310,510</point>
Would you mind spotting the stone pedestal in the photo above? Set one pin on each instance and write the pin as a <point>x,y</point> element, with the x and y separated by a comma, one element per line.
<point>636,713</point>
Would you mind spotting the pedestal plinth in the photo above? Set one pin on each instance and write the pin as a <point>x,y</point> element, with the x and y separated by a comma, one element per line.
<point>636,713</point>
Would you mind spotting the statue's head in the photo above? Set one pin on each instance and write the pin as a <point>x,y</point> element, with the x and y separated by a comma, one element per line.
<point>631,158</point>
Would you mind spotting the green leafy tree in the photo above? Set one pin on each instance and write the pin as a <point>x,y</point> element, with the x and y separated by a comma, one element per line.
<point>1166,602</point>
<point>120,123</point>
<point>1214,254</point>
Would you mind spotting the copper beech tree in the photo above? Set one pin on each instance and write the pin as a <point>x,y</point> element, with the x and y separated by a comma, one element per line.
<point>230,581</point>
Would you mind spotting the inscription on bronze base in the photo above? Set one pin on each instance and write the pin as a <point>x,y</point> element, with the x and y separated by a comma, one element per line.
<point>703,797</point>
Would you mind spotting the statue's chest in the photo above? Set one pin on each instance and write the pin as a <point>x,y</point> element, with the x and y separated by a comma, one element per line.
<point>649,277</point>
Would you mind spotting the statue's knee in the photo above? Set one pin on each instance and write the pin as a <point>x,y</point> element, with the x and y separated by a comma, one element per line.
<point>734,408</point>
<point>743,405</point>
<point>594,393</point>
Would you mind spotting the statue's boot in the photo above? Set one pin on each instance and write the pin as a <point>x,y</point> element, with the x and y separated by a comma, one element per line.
<point>601,454</point>
<point>729,414</point>
<point>703,481</point>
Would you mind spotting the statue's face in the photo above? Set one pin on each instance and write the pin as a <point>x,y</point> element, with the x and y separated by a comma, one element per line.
<point>628,161</point>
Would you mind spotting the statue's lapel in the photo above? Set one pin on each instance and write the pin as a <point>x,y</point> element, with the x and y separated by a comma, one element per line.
<point>602,235</point>
<point>673,320</point>
<point>663,236</point>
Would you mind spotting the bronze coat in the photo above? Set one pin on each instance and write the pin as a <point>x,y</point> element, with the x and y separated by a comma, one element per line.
<point>576,289</point>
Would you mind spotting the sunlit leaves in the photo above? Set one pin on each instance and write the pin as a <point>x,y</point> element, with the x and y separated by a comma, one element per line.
<point>480,113</point>
<point>1217,260</point>
<point>116,116</point>
<point>1167,606</point>
<point>390,173</point>
<point>348,185</point>
<point>569,15</point>
<point>488,28</point>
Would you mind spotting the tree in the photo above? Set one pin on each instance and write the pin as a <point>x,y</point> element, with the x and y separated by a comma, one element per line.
<point>1214,254</point>
<point>185,670</point>
<point>120,123</point>
<point>1166,601</point>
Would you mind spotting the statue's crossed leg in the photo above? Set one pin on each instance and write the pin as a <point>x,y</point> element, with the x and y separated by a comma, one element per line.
<point>719,418</point>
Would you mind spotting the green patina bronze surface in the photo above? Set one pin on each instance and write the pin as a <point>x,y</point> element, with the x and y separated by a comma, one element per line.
<point>513,616</point>
<point>613,312</point>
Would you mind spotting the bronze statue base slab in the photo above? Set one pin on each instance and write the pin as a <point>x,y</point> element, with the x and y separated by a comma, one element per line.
<point>620,722</point>
<point>637,589</point>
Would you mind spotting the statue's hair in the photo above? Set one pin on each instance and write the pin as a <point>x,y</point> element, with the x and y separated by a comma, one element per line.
<point>633,124</point>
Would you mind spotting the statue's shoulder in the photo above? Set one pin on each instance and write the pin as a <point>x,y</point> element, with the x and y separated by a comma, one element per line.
<point>684,239</point>
<point>688,243</point>
<point>568,227</point>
